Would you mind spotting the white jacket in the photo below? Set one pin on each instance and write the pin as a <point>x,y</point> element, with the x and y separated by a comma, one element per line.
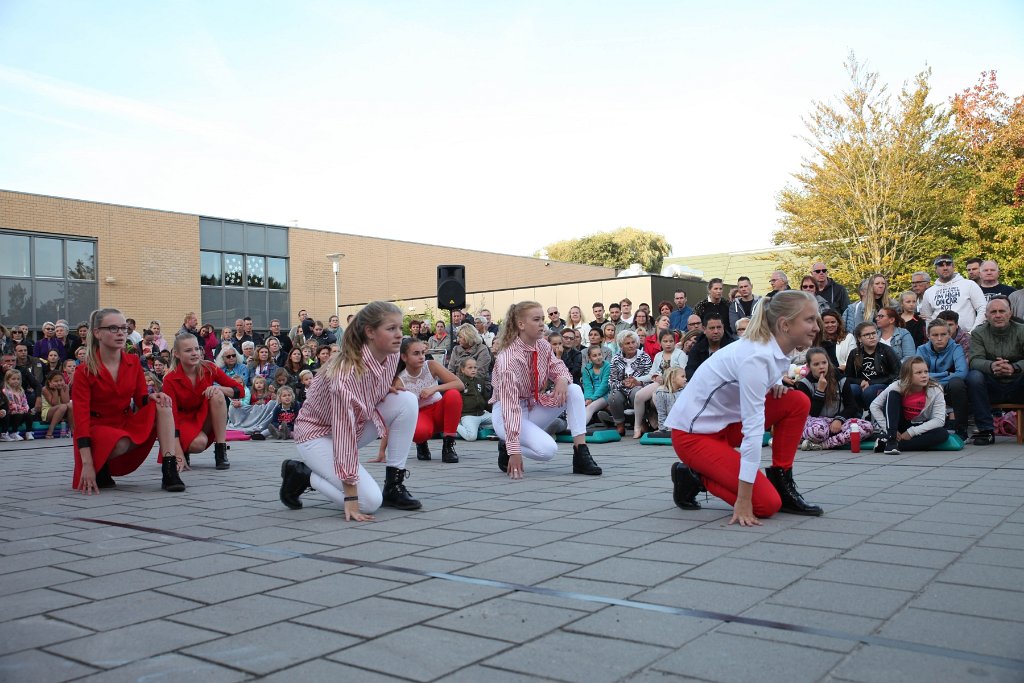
<point>959,294</point>
<point>933,415</point>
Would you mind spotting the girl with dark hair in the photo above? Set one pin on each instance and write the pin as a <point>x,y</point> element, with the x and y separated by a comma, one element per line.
<point>911,411</point>
<point>439,395</point>
<point>834,409</point>
<point>349,403</point>
<point>837,342</point>
<point>871,366</point>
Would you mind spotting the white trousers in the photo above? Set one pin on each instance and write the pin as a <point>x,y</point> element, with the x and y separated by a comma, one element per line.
<point>469,425</point>
<point>595,405</point>
<point>534,442</point>
<point>399,412</point>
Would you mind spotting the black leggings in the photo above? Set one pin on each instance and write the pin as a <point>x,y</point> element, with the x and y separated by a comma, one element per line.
<point>896,423</point>
<point>13,422</point>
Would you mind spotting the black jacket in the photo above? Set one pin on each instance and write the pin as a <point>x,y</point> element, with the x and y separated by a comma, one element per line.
<point>882,367</point>
<point>701,351</point>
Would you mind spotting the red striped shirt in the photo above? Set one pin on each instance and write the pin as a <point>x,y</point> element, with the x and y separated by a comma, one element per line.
<point>340,407</point>
<point>513,379</point>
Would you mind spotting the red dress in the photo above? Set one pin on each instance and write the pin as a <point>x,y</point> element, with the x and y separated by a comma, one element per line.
<point>188,403</point>
<point>103,416</point>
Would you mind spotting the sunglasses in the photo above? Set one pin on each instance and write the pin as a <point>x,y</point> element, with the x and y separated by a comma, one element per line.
<point>810,288</point>
<point>943,263</point>
<point>820,270</point>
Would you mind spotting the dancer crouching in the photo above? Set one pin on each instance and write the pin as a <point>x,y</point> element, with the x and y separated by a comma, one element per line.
<point>198,388</point>
<point>351,402</point>
<point>730,401</point>
<point>524,364</point>
<point>110,439</point>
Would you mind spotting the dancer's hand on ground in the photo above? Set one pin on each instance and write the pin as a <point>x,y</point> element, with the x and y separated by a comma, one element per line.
<point>743,510</point>
<point>87,480</point>
<point>515,466</point>
<point>352,513</point>
<point>183,465</point>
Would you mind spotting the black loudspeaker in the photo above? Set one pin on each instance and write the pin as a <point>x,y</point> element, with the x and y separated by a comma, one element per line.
<point>451,287</point>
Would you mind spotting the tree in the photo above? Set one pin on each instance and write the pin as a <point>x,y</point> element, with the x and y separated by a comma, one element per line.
<point>614,249</point>
<point>991,127</point>
<point>878,192</point>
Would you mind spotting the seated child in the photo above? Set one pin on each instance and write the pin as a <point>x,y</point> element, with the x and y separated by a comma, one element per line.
<point>282,423</point>
<point>834,408</point>
<point>595,380</point>
<point>56,404</point>
<point>910,412</point>
<point>18,412</point>
<point>672,382</point>
<point>474,400</point>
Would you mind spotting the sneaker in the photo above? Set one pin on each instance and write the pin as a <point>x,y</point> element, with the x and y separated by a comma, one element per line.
<point>29,436</point>
<point>879,446</point>
<point>811,446</point>
<point>805,445</point>
<point>892,450</point>
<point>5,437</point>
<point>984,438</point>
<point>257,436</point>
<point>15,436</point>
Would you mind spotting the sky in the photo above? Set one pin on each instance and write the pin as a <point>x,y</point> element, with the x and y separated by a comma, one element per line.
<point>501,126</point>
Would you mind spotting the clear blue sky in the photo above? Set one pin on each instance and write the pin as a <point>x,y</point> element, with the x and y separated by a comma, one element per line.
<point>500,126</point>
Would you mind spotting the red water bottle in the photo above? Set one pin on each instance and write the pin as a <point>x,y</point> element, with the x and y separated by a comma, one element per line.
<point>855,438</point>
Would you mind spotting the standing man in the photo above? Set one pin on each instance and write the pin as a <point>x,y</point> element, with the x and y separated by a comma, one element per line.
<point>256,337</point>
<point>973,269</point>
<point>714,304</point>
<point>828,289</point>
<point>283,339</point>
<point>626,308</point>
<point>743,305</point>
<point>997,366</point>
<point>952,292</point>
<point>777,282</point>
<point>556,324</point>
<point>615,316</point>
<point>713,339</point>
<point>989,281</point>
<point>240,337</point>
<point>297,330</point>
<point>919,284</point>
<point>491,327</point>
<point>677,321</point>
<point>598,310</point>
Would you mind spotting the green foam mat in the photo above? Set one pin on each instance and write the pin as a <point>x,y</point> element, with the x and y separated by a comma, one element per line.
<point>600,436</point>
<point>647,440</point>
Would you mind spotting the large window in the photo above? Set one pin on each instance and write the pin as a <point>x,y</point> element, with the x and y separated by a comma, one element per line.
<point>46,278</point>
<point>243,271</point>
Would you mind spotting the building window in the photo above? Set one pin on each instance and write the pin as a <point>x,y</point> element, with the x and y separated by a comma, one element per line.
<point>243,271</point>
<point>46,278</point>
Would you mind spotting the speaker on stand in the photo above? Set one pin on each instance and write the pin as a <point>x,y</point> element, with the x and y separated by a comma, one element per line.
<point>451,294</point>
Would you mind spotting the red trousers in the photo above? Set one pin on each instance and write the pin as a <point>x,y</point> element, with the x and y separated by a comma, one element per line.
<point>714,458</point>
<point>442,417</point>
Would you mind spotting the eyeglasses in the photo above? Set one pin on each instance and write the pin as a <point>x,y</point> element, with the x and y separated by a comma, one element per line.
<point>231,355</point>
<point>943,263</point>
<point>114,329</point>
<point>552,312</point>
<point>810,288</point>
<point>820,270</point>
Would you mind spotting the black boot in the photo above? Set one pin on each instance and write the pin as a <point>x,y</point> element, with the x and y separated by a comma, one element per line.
<point>220,456</point>
<point>395,493</point>
<point>582,463</point>
<point>294,482</point>
<point>103,478</point>
<point>448,453</point>
<point>792,501</point>
<point>502,457</point>
<point>422,451</point>
<point>685,487</point>
<point>171,481</point>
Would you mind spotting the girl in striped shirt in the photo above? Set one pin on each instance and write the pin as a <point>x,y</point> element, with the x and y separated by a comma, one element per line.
<point>524,365</point>
<point>349,403</point>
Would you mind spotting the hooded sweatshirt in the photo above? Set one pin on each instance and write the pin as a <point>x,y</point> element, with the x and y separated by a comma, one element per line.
<point>959,294</point>
<point>946,364</point>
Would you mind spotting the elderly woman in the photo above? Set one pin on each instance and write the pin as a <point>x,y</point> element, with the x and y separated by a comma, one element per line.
<point>486,336</point>
<point>49,341</point>
<point>471,346</point>
<point>628,368</point>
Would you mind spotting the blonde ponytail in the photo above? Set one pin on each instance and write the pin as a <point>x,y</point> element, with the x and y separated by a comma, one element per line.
<point>509,328</point>
<point>785,305</point>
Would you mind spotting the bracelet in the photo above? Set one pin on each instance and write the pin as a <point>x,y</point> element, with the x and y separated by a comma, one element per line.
<point>349,499</point>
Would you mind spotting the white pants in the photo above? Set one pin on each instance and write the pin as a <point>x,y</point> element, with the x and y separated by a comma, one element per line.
<point>534,442</point>
<point>469,425</point>
<point>596,405</point>
<point>399,412</point>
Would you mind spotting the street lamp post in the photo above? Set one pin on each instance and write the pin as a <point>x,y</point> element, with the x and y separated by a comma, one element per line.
<point>335,260</point>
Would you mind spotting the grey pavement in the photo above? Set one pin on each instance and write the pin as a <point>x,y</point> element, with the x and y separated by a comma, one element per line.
<point>915,573</point>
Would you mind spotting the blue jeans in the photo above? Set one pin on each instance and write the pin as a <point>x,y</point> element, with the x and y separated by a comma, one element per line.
<point>984,390</point>
<point>864,397</point>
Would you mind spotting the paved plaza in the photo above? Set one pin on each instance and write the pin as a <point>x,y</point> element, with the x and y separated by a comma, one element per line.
<point>915,573</point>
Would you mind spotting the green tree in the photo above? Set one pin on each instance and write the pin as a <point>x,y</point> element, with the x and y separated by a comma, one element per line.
<point>991,126</point>
<point>613,249</point>
<point>878,193</point>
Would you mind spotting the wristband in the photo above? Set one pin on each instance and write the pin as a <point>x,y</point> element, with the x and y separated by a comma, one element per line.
<point>349,499</point>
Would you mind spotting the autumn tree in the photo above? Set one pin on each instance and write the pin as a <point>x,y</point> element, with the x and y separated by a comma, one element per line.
<point>878,191</point>
<point>613,249</point>
<point>991,126</point>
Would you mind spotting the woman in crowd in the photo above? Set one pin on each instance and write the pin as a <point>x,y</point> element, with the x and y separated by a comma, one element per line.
<point>628,368</point>
<point>730,403</point>
<point>110,438</point>
<point>294,365</point>
<point>439,342</point>
<point>520,411</point>
<point>689,340</point>
<point>910,412</point>
<point>912,322</point>
<point>871,366</point>
<point>52,362</point>
<point>227,360</point>
<point>154,326</point>
<point>664,308</point>
<point>642,325</point>
<point>834,409</point>
<point>277,357</point>
<point>49,342</point>
<point>892,334</point>
<point>575,321</point>
<point>652,342</point>
<point>198,389</point>
<point>349,404</point>
<point>211,344</point>
<point>837,342</point>
<point>807,284</point>
<point>470,345</point>
<point>667,356</point>
<point>440,399</point>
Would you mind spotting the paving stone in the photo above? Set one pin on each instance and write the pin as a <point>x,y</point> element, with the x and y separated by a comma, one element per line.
<point>34,559</point>
<point>748,572</point>
<point>912,557</point>
<point>167,668</point>
<point>419,653</point>
<point>973,600</point>
<point>704,595</point>
<point>1003,557</point>
<point>30,579</point>
<point>655,628</point>
<point>36,666</point>
<point>957,631</point>
<point>797,616</point>
<point>208,565</point>
<point>575,588</point>
<point>867,601</point>
<point>503,619</point>
<point>122,610</point>
<point>244,614</point>
<point>578,657</point>
<point>519,570</point>
<point>298,569</point>
<point>629,570</point>
<point>878,664</point>
<point>711,657</point>
<point>36,601</point>
<point>327,671</point>
<point>479,672</point>
<point>334,589</point>
<point>121,583</point>
<point>272,647</point>
<point>874,574</point>
<point>224,586</point>
<point>471,551</point>
<point>34,632</point>
<point>986,576</point>
<point>121,646</point>
<point>444,593</point>
<point>371,617</point>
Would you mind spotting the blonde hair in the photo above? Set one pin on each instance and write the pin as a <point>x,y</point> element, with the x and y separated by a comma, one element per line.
<point>869,296</point>
<point>907,374</point>
<point>158,385</point>
<point>785,305</point>
<point>670,377</point>
<point>11,374</point>
<point>92,344</point>
<point>285,390</point>
<point>350,360</point>
<point>509,330</point>
<point>468,333</point>
<point>205,366</point>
